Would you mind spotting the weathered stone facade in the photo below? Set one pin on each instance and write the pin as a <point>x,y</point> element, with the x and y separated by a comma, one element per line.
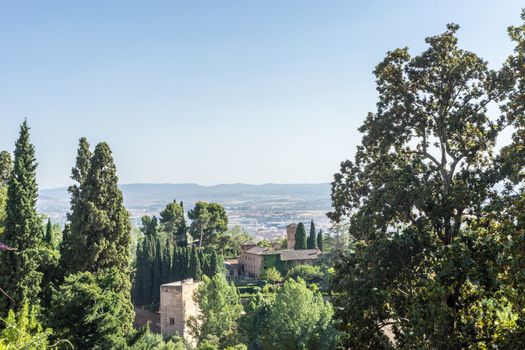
<point>290,235</point>
<point>176,306</point>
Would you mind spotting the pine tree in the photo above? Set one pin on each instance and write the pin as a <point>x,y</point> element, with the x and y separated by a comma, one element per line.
<point>320,240</point>
<point>312,239</point>
<point>300,237</point>
<point>174,223</point>
<point>19,275</point>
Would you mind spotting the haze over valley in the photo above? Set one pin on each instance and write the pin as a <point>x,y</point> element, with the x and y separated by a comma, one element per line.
<point>263,210</point>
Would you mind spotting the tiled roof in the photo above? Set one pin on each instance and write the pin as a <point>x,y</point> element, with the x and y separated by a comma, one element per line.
<point>287,254</point>
<point>262,251</point>
<point>179,283</point>
<point>303,254</point>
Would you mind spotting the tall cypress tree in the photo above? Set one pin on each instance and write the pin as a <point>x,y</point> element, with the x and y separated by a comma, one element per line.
<point>320,240</point>
<point>300,237</point>
<point>19,275</point>
<point>100,229</point>
<point>165,269</point>
<point>49,239</point>
<point>186,257</point>
<point>195,271</point>
<point>68,255</point>
<point>99,221</point>
<point>216,264</point>
<point>138,284</point>
<point>156,271</point>
<point>312,239</point>
<point>149,260</point>
<point>174,262</point>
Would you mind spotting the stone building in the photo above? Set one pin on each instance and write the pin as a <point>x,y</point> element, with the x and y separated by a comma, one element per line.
<point>257,259</point>
<point>232,268</point>
<point>290,235</point>
<point>176,306</point>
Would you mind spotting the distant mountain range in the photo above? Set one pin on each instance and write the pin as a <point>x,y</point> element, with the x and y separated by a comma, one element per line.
<point>259,208</point>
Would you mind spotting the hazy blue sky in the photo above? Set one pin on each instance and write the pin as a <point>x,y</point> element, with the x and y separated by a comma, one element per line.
<point>213,91</point>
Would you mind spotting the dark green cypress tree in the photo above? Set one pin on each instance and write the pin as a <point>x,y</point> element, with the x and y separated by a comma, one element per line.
<point>156,271</point>
<point>66,250</point>
<point>68,257</point>
<point>204,261</point>
<point>49,239</point>
<point>312,238</point>
<point>195,271</point>
<point>101,225</point>
<point>100,228</point>
<point>300,237</point>
<point>138,284</point>
<point>216,264</point>
<point>186,263</point>
<point>174,262</point>
<point>19,275</point>
<point>320,240</point>
<point>165,272</point>
<point>149,260</point>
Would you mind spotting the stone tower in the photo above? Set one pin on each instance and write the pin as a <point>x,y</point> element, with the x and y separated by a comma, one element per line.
<point>290,235</point>
<point>176,306</point>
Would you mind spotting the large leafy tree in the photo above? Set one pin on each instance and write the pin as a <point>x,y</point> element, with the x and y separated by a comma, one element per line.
<point>220,309</point>
<point>507,217</point>
<point>209,220</point>
<point>297,319</point>
<point>19,275</point>
<point>300,237</point>
<point>420,264</point>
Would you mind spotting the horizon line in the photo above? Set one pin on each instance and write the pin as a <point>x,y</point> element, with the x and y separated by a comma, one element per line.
<point>196,184</point>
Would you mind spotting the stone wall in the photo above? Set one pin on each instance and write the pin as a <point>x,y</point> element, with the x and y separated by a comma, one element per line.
<point>290,235</point>
<point>176,306</point>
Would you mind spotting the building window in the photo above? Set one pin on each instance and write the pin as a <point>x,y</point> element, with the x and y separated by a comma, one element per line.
<point>172,321</point>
